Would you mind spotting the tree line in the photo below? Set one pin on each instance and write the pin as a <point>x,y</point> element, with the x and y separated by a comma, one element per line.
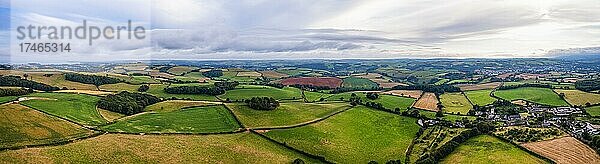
<point>437,89</point>
<point>588,85</point>
<point>127,103</point>
<point>16,81</point>
<point>507,87</point>
<point>217,89</point>
<point>91,79</point>
<point>213,73</point>
<point>14,91</point>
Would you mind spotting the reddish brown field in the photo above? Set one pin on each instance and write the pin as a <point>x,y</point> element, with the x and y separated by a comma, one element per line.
<point>330,82</point>
<point>564,150</point>
<point>427,102</point>
<point>273,74</point>
<point>472,87</point>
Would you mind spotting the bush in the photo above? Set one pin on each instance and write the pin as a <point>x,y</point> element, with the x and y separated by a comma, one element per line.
<point>372,95</point>
<point>262,103</point>
<point>143,88</point>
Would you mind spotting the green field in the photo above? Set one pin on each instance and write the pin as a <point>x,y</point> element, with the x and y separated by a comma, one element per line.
<point>117,148</point>
<point>210,119</point>
<point>449,117</point>
<point>173,105</point>
<point>489,149</point>
<point>158,90</point>
<point>537,95</point>
<point>285,93</point>
<point>593,111</point>
<point>455,103</point>
<point>6,99</point>
<point>118,87</point>
<point>22,126</point>
<point>480,97</point>
<point>75,107</point>
<point>355,82</point>
<point>315,96</point>
<point>388,101</point>
<point>358,135</point>
<point>286,114</point>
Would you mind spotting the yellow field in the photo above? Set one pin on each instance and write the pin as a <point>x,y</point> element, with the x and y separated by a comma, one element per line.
<point>172,105</point>
<point>566,150</point>
<point>427,102</point>
<point>249,74</point>
<point>22,126</point>
<point>577,97</point>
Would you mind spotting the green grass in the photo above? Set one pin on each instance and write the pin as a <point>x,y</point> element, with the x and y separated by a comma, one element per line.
<point>593,111</point>
<point>355,82</point>
<point>441,81</point>
<point>388,101</point>
<point>537,95</point>
<point>455,103</point>
<point>22,126</point>
<point>173,105</point>
<point>80,108</point>
<point>489,149</point>
<point>6,99</point>
<point>118,87</point>
<point>358,135</point>
<point>118,148</point>
<point>480,97</point>
<point>286,114</point>
<point>210,119</point>
<point>315,96</point>
<point>276,93</point>
<point>158,90</point>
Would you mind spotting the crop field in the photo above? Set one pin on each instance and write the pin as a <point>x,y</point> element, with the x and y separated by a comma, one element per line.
<point>180,70</point>
<point>581,98</point>
<point>564,150</point>
<point>286,114</point>
<point>427,101</point>
<point>5,99</point>
<point>22,126</point>
<point>273,74</point>
<point>285,93</point>
<point>406,93</point>
<point>449,117</point>
<point>480,97</point>
<point>58,80</point>
<point>593,111</point>
<point>292,72</point>
<point>249,74</point>
<point>158,90</point>
<point>118,148</point>
<point>388,101</point>
<point>354,82</point>
<point>455,103</point>
<point>358,135</point>
<point>75,107</point>
<point>173,105</point>
<point>472,87</point>
<point>120,87</point>
<point>209,119</point>
<point>489,149</point>
<point>330,82</point>
<point>543,96</point>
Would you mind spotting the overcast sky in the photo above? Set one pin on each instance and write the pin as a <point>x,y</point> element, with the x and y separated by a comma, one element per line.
<point>276,29</point>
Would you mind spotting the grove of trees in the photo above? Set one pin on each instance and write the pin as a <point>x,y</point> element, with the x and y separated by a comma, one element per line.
<point>14,91</point>
<point>262,103</point>
<point>437,89</point>
<point>588,85</point>
<point>213,73</point>
<point>127,103</point>
<point>91,79</point>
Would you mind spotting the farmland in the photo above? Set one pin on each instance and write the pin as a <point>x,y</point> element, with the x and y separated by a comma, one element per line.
<point>455,103</point>
<point>75,107</point>
<point>287,114</point>
<point>406,93</point>
<point>489,149</point>
<point>388,101</point>
<point>543,96</point>
<point>330,82</point>
<point>6,99</point>
<point>594,111</point>
<point>22,126</point>
<point>173,105</point>
<point>354,82</point>
<point>119,87</point>
<point>480,97</point>
<point>273,74</point>
<point>428,101</point>
<point>240,94</point>
<point>581,98</point>
<point>472,87</point>
<point>227,148</point>
<point>381,136</point>
<point>180,70</point>
<point>564,150</point>
<point>158,90</point>
<point>210,119</point>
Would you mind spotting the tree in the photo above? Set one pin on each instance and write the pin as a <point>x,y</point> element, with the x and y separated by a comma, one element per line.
<point>127,103</point>
<point>143,88</point>
<point>372,95</point>
<point>262,103</point>
<point>213,73</point>
<point>439,113</point>
<point>298,161</point>
<point>91,79</point>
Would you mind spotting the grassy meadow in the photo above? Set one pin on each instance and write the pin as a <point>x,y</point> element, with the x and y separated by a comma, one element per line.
<point>286,114</point>
<point>543,96</point>
<point>276,93</point>
<point>480,97</point>
<point>79,108</point>
<point>489,149</point>
<point>355,82</point>
<point>455,103</point>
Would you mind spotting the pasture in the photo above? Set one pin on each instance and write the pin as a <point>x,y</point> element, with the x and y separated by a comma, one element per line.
<point>119,148</point>
<point>118,87</point>
<point>455,103</point>
<point>180,70</point>
<point>58,80</point>
<point>5,99</point>
<point>543,96</point>
<point>593,111</point>
<point>174,105</point>
<point>581,98</point>
<point>405,93</point>
<point>355,82</point>
<point>79,108</point>
<point>480,97</point>
<point>564,150</point>
<point>428,101</point>
<point>484,86</point>
<point>388,101</point>
<point>358,135</point>
<point>276,93</point>
<point>209,119</point>
<point>489,149</point>
<point>22,126</point>
<point>286,114</point>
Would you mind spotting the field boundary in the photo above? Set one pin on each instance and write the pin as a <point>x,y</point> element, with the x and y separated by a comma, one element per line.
<point>93,128</point>
<point>524,149</point>
<point>58,143</point>
<point>301,124</point>
<point>317,157</point>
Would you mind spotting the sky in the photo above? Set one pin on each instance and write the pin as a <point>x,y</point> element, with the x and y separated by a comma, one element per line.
<point>324,29</point>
